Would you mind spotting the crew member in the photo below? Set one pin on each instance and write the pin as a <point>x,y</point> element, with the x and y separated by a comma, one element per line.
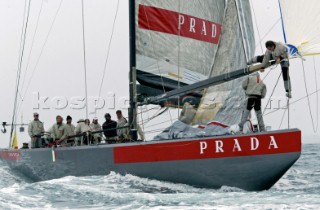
<point>187,114</point>
<point>110,129</point>
<point>123,133</point>
<point>82,128</point>
<point>87,122</point>
<point>278,52</point>
<point>35,128</point>
<point>57,130</point>
<point>69,130</point>
<point>255,89</point>
<point>95,126</point>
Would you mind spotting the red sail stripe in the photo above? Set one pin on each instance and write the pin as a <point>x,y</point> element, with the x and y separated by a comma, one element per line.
<point>189,150</point>
<point>166,21</point>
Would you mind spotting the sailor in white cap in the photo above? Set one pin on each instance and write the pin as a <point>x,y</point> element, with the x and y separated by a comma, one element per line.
<point>35,129</point>
<point>95,126</point>
<point>81,128</point>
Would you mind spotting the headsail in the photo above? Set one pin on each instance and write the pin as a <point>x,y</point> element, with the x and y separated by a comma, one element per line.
<point>224,102</point>
<point>300,25</point>
<point>177,41</point>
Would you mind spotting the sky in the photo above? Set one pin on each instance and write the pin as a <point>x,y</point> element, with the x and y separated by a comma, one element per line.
<point>53,65</point>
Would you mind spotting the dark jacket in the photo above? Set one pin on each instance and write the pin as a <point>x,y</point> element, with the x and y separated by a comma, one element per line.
<point>109,125</point>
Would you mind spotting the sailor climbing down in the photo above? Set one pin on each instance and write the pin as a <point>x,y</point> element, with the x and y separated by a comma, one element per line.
<point>278,52</point>
<point>255,89</point>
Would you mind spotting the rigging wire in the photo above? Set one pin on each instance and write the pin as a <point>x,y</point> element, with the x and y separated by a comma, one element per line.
<point>31,48</point>
<point>153,50</point>
<point>300,99</point>
<point>84,58</point>
<point>22,33</point>
<point>242,33</point>
<point>41,52</point>
<point>269,31</point>
<point>315,128</point>
<point>206,90</point>
<point>179,36</point>
<point>246,53</point>
<point>146,111</point>
<point>163,122</point>
<point>19,73</point>
<point>274,88</point>
<point>265,77</point>
<point>151,37</point>
<point>256,23</point>
<point>155,130</point>
<point>109,47</point>
<point>317,96</point>
<point>282,118</point>
<point>158,113</point>
<point>21,39</point>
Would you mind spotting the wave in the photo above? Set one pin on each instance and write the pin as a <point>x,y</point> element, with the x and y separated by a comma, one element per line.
<point>299,188</point>
<point>131,192</point>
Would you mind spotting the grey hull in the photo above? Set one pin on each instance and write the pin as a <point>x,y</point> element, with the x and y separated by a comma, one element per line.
<point>249,172</point>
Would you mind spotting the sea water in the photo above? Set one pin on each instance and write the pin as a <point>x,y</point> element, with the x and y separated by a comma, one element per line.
<point>298,189</point>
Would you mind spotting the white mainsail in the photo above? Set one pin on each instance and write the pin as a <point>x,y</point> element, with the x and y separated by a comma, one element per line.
<point>301,25</point>
<point>177,40</point>
<point>189,41</point>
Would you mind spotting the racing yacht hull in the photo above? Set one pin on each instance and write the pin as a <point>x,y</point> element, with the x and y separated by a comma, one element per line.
<point>251,162</point>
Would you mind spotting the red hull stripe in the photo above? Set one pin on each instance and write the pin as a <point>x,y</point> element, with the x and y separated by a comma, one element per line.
<point>10,155</point>
<point>166,21</point>
<point>203,149</point>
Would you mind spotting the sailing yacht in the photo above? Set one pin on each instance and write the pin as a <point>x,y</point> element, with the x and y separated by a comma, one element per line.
<point>185,50</point>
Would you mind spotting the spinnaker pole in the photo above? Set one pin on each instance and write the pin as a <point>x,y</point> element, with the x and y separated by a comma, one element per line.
<point>132,72</point>
<point>226,77</point>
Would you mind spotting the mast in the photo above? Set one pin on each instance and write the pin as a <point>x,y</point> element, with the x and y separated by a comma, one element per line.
<point>132,71</point>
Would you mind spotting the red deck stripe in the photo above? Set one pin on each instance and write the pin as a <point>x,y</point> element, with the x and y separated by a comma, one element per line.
<point>188,150</point>
<point>166,21</point>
